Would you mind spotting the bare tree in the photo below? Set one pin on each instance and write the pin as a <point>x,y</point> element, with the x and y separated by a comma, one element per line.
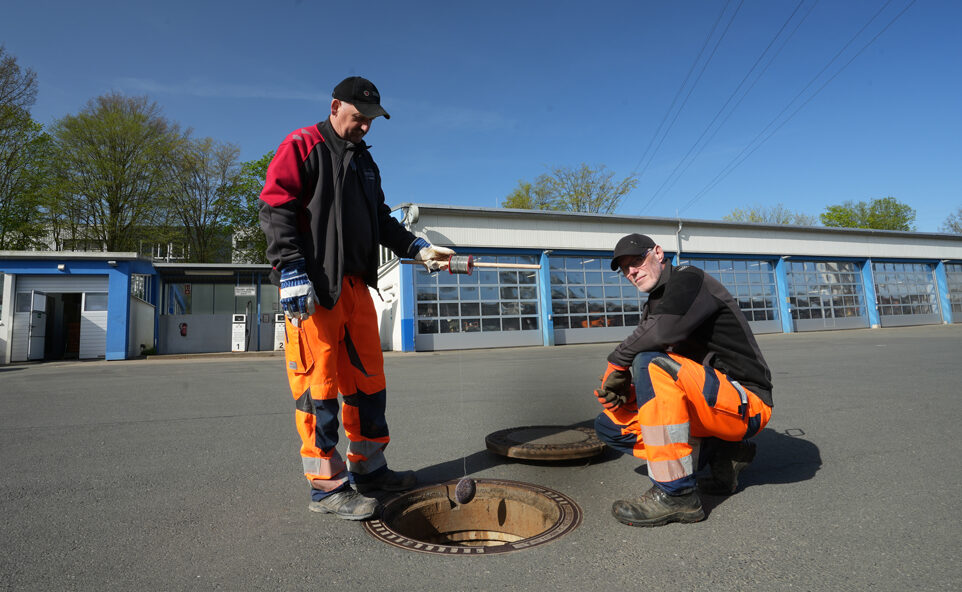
<point>204,201</point>
<point>953,223</point>
<point>777,214</point>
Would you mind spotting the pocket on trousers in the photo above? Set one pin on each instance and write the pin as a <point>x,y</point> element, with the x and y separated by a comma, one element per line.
<point>732,399</point>
<point>300,359</point>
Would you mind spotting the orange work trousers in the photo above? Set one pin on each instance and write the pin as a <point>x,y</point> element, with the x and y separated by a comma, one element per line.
<point>338,351</point>
<point>678,403</point>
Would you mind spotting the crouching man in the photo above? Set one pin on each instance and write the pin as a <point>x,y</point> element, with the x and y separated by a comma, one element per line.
<point>701,387</point>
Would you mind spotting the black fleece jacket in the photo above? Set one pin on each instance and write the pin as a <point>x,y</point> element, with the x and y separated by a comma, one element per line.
<point>690,313</point>
<point>305,199</point>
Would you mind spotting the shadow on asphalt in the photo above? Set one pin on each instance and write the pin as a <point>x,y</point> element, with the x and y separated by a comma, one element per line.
<point>782,457</point>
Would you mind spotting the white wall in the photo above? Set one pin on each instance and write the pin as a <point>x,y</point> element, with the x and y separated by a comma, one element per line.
<point>499,228</point>
<point>141,330</point>
<point>388,310</point>
<point>6,317</point>
<point>205,334</point>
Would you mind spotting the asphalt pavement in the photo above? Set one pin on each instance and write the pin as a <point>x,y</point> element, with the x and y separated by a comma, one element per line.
<point>183,474</point>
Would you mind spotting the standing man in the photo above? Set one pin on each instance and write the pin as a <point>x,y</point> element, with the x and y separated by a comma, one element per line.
<point>324,215</point>
<point>701,387</point>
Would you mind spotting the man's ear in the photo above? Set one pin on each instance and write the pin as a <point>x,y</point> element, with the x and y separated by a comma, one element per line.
<point>660,253</point>
<point>335,105</point>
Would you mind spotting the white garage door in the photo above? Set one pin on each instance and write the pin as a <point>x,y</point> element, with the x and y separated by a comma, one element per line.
<point>93,322</point>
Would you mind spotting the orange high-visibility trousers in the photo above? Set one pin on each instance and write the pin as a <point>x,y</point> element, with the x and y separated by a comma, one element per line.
<point>338,351</point>
<point>679,402</point>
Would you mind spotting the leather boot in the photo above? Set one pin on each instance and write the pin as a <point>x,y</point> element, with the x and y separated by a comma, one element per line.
<point>347,504</point>
<point>655,507</point>
<point>729,460</point>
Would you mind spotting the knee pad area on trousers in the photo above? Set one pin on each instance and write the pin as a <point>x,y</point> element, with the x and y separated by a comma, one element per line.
<point>669,365</point>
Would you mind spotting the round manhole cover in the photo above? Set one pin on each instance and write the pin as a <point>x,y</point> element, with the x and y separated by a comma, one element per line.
<point>545,442</point>
<point>502,516</point>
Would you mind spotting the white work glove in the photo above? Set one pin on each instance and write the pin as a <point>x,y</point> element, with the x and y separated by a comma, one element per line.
<point>434,258</point>
<point>297,292</point>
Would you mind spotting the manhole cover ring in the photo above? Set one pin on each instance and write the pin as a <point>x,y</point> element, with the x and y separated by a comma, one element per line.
<point>495,500</point>
<point>545,442</point>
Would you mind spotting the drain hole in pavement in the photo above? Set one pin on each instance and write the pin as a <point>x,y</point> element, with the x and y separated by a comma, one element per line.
<point>503,516</point>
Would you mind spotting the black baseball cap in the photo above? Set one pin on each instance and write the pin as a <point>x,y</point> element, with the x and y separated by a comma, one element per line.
<point>361,93</point>
<point>633,244</point>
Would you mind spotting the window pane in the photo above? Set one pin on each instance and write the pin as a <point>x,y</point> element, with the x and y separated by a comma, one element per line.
<point>488,324</point>
<point>95,301</point>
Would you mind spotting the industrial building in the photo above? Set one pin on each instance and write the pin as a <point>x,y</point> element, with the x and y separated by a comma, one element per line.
<point>66,305</point>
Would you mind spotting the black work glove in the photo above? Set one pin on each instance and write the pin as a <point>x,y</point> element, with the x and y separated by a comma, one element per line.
<point>615,388</point>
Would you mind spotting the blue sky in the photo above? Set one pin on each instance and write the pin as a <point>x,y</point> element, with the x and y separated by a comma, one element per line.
<point>483,95</point>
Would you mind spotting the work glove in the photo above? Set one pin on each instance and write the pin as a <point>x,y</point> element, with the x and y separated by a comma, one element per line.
<point>433,258</point>
<point>615,388</point>
<point>297,292</point>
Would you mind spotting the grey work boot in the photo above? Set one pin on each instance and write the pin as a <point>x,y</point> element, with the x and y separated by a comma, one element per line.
<point>729,460</point>
<point>388,481</point>
<point>347,504</point>
<point>655,507</point>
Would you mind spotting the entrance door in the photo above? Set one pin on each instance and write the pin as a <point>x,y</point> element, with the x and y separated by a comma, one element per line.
<point>37,332</point>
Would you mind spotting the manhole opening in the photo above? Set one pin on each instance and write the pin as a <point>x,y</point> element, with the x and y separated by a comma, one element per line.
<point>503,516</point>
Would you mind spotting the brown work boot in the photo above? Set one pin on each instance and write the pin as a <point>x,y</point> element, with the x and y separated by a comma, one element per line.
<point>729,460</point>
<point>655,507</point>
<point>388,481</point>
<point>347,504</point>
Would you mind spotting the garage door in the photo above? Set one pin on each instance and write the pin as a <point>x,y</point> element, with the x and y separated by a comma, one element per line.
<point>93,326</point>
<point>906,294</point>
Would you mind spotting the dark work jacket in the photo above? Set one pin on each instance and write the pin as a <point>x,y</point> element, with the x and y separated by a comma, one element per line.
<point>303,201</point>
<point>690,313</point>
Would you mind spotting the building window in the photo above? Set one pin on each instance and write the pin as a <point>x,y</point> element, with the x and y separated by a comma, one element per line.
<point>585,293</point>
<point>825,290</point>
<point>905,289</point>
<point>95,301</point>
<point>140,286</point>
<point>22,302</point>
<point>487,300</point>
<point>751,282</point>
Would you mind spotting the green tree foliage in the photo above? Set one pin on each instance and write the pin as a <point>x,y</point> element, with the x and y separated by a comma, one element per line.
<point>569,189</point>
<point>885,213</point>
<point>205,201</point>
<point>777,214</point>
<point>250,244</point>
<point>24,156</point>
<point>114,164</point>
<point>529,197</point>
<point>953,223</point>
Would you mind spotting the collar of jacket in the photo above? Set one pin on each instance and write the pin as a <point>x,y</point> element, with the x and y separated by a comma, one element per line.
<point>338,145</point>
<point>663,279</point>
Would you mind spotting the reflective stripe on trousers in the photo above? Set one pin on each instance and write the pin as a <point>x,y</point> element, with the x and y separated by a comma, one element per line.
<point>338,351</point>
<point>679,401</point>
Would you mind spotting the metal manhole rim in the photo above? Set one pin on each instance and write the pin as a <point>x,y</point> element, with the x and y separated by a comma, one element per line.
<point>569,518</point>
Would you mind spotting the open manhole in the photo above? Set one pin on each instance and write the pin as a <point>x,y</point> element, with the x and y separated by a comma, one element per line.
<point>545,442</point>
<point>503,516</point>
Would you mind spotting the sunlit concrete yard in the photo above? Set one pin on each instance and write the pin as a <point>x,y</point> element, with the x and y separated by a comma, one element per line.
<point>183,474</point>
